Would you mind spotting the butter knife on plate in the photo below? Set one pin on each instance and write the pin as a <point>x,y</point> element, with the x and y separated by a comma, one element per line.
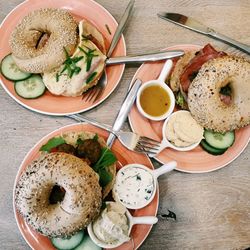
<point>192,24</point>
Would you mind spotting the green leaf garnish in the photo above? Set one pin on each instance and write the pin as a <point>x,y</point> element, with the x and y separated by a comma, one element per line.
<point>89,56</point>
<point>52,143</point>
<point>180,100</point>
<point>96,137</point>
<point>70,66</point>
<point>105,177</point>
<point>91,77</point>
<point>79,141</point>
<point>107,158</point>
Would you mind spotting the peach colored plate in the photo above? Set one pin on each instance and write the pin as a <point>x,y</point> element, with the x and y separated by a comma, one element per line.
<point>197,160</point>
<point>87,9</point>
<point>124,156</point>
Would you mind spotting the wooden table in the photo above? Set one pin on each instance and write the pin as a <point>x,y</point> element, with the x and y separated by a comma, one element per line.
<point>213,209</point>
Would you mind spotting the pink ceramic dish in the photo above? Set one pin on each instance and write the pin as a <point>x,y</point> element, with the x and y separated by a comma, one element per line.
<point>196,160</point>
<point>139,232</point>
<point>87,9</point>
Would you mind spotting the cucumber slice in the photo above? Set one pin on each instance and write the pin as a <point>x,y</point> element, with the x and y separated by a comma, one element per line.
<point>30,88</point>
<point>11,71</point>
<point>212,150</point>
<point>68,243</point>
<point>87,244</point>
<point>219,140</point>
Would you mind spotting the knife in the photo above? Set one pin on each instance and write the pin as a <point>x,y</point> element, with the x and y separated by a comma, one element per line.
<point>192,24</point>
<point>124,110</point>
<point>121,27</point>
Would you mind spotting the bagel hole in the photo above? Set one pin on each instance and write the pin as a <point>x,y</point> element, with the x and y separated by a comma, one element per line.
<point>226,94</point>
<point>57,194</point>
<point>43,39</point>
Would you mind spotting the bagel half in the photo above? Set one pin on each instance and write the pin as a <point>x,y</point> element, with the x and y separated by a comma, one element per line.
<point>80,205</point>
<point>61,29</point>
<point>66,85</point>
<point>204,100</point>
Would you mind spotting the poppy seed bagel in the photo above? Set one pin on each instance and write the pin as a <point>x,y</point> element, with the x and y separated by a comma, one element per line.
<point>204,100</point>
<point>61,30</point>
<point>80,205</point>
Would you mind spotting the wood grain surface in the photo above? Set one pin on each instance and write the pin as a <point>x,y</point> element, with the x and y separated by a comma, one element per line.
<point>213,209</point>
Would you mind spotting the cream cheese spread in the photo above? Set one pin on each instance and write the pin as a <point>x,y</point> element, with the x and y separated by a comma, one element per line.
<point>112,226</point>
<point>134,186</point>
<point>182,130</point>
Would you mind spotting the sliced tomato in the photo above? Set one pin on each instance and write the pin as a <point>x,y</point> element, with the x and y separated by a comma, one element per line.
<point>191,70</point>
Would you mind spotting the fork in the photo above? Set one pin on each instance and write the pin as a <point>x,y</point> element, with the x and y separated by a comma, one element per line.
<point>97,90</point>
<point>130,140</point>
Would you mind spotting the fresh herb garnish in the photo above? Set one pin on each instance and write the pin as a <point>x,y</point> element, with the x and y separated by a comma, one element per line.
<point>107,158</point>
<point>180,100</point>
<point>96,137</point>
<point>105,177</point>
<point>89,56</point>
<point>52,143</point>
<point>79,141</point>
<point>70,66</point>
<point>91,77</point>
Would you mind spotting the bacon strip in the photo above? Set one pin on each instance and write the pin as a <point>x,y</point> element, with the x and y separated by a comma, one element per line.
<point>191,70</point>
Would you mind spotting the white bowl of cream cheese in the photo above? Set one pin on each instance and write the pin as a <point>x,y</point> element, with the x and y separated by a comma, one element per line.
<point>135,185</point>
<point>113,226</point>
<point>180,132</point>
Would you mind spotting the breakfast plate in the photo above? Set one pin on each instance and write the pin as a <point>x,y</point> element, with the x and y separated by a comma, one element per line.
<point>124,156</point>
<point>196,160</point>
<point>89,10</point>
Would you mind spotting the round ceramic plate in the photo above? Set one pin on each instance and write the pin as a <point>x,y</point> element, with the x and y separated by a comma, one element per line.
<point>87,9</point>
<point>139,232</point>
<point>197,160</point>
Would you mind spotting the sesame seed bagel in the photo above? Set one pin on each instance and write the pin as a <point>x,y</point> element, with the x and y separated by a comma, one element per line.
<point>204,100</point>
<point>61,30</point>
<point>80,205</point>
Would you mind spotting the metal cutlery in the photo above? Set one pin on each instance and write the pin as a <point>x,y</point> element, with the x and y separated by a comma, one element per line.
<point>150,57</point>
<point>95,92</point>
<point>157,56</point>
<point>192,24</point>
<point>130,140</point>
<point>124,110</point>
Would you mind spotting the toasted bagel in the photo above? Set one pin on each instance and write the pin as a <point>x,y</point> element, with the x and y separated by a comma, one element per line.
<point>61,30</point>
<point>204,100</point>
<point>80,205</point>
